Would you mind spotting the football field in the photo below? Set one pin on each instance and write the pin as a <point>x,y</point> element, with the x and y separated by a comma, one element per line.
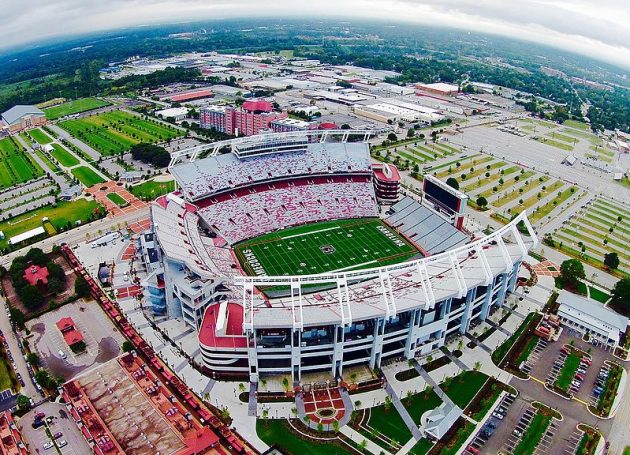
<point>340,245</point>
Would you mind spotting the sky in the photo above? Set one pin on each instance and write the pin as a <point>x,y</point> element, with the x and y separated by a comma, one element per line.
<point>598,29</point>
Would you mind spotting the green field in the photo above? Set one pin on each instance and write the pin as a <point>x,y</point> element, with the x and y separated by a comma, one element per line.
<point>58,215</point>
<point>86,176</point>
<point>533,434</point>
<point>463,387</point>
<point>420,403</point>
<point>40,137</point>
<point>389,423</point>
<point>567,373</point>
<point>74,107</point>
<point>64,157</point>
<point>111,133</point>
<point>152,189</point>
<point>6,374</point>
<point>276,432</point>
<point>15,166</point>
<point>117,199</point>
<point>324,247</point>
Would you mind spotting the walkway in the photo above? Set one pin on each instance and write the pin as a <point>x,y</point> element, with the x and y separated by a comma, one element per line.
<point>403,412</point>
<point>357,437</point>
<point>462,366</point>
<point>478,343</point>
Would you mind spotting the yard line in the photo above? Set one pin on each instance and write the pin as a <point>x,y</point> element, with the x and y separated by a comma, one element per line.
<point>353,266</point>
<point>311,232</point>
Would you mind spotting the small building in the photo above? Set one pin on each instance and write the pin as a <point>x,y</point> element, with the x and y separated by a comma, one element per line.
<point>71,335</point>
<point>436,422</point>
<point>68,194</point>
<point>11,442</point>
<point>592,318</point>
<point>570,160</point>
<point>22,117</point>
<point>27,235</point>
<point>131,176</point>
<point>439,88</point>
<point>176,113</point>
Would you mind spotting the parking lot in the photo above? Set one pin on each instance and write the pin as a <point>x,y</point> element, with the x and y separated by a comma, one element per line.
<point>102,339</point>
<point>62,423</point>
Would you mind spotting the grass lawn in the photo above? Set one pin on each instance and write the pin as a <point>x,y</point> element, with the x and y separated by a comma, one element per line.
<point>74,107</point>
<point>421,402</point>
<point>567,373</point>
<point>15,166</point>
<point>40,137</point>
<point>503,348</point>
<point>598,295</point>
<point>48,162</point>
<point>152,189</point>
<point>5,373</point>
<point>533,434</point>
<point>554,143</point>
<point>58,215</point>
<point>389,423</point>
<point>323,247</point>
<point>113,132</point>
<point>562,137</point>
<point>278,433</point>
<point>422,447</point>
<point>64,157</point>
<point>460,437</point>
<point>527,350</point>
<point>86,176</point>
<point>117,199</point>
<point>463,387</point>
<point>577,124</point>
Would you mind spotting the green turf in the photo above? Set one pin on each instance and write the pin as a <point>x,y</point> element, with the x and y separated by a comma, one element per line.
<point>532,436</point>
<point>117,199</point>
<point>355,244</point>
<point>567,373</point>
<point>500,352</point>
<point>463,387</point>
<point>422,447</point>
<point>74,107</point>
<point>460,437</point>
<point>152,189</point>
<point>5,374</point>
<point>64,157</point>
<point>278,433</point>
<point>421,402</point>
<point>577,124</point>
<point>86,176</point>
<point>15,166</point>
<point>598,295</point>
<point>40,137</point>
<point>554,143</point>
<point>113,132</point>
<point>389,423</point>
<point>58,215</point>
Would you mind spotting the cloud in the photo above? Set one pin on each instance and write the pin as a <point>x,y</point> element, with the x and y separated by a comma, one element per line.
<point>597,29</point>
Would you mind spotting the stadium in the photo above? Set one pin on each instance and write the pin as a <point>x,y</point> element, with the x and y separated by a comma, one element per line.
<point>291,253</point>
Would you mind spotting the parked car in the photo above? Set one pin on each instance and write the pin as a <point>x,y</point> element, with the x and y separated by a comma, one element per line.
<point>48,445</point>
<point>57,435</point>
<point>62,443</point>
<point>497,415</point>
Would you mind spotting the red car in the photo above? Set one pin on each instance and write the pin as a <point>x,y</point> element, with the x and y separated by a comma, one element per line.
<point>472,450</point>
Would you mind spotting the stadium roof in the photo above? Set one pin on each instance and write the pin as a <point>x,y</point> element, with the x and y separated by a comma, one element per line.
<point>17,112</point>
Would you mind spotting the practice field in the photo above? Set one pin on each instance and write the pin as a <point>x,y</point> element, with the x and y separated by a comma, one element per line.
<point>114,132</point>
<point>86,176</point>
<point>64,157</point>
<point>15,165</point>
<point>324,247</point>
<point>40,137</point>
<point>74,107</point>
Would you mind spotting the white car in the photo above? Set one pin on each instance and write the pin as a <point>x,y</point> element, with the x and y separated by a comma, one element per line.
<point>497,415</point>
<point>62,354</point>
<point>48,445</point>
<point>62,443</point>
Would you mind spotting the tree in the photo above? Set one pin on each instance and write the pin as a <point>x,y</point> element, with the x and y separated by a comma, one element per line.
<point>571,272</point>
<point>411,133</point>
<point>482,201</point>
<point>620,296</point>
<point>452,182</point>
<point>392,137</point>
<point>33,359</point>
<point>31,296</point>
<point>23,402</point>
<point>149,153</point>
<point>611,260</point>
<point>127,346</point>
<point>81,287</point>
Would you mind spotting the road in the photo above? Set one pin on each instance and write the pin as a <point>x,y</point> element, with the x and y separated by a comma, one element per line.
<point>77,235</point>
<point>20,364</point>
